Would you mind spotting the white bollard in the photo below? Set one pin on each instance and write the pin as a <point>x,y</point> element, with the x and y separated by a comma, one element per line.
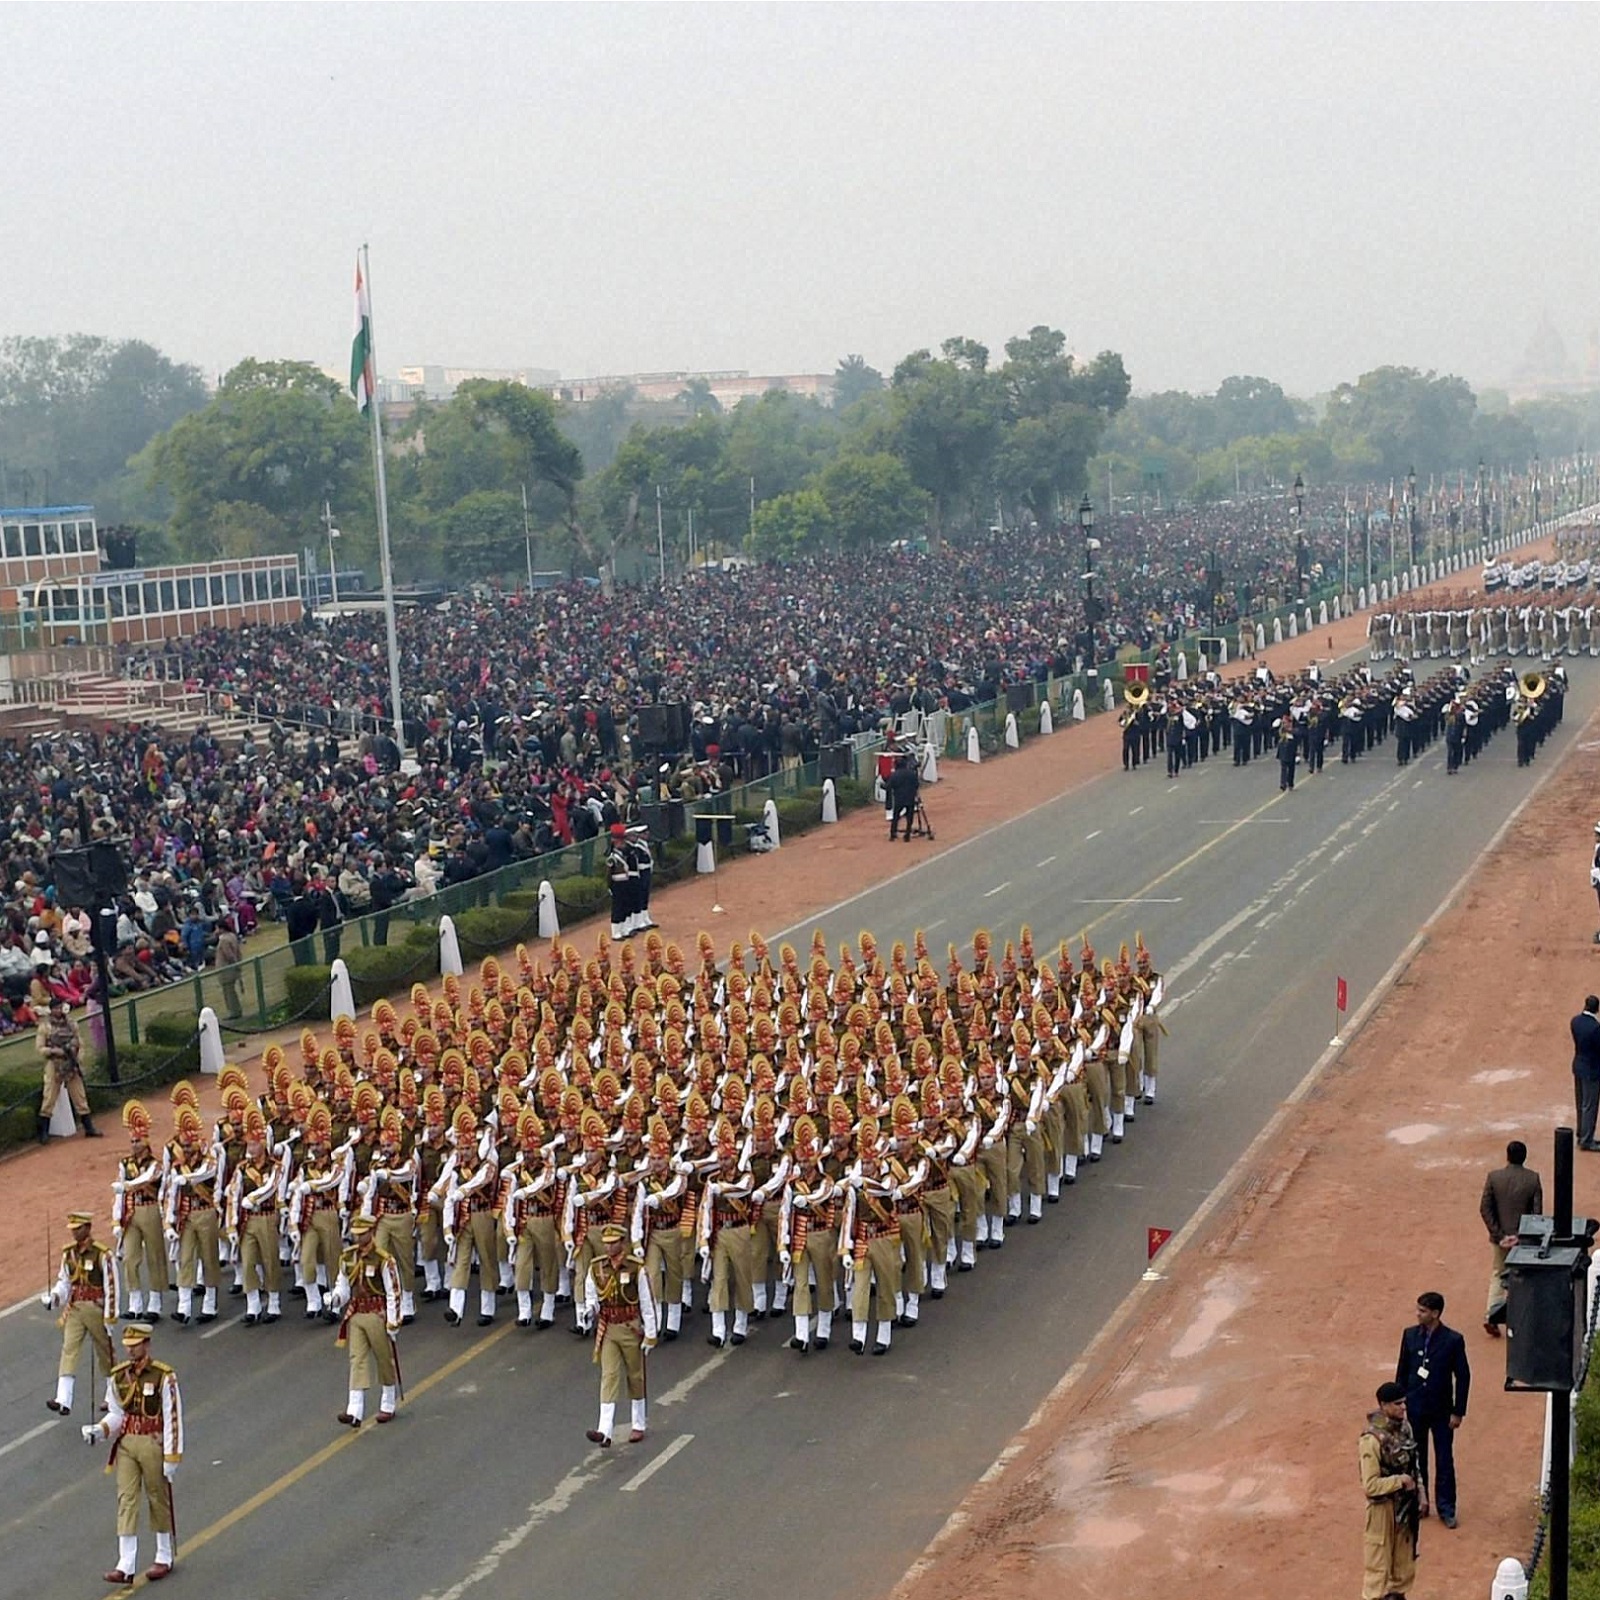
<point>769,816</point>
<point>1307,623</point>
<point>1079,711</point>
<point>1322,614</point>
<point>449,949</point>
<point>1013,738</point>
<point>1222,656</point>
<point>974,754</point>
<point>705,856</point>
<point>1294,626</point>
<point>1261,637</point>
<point>1277,630</point>
<point>1361,598</point>
<point>1201,665</point>
<point>1047,721</point>
<point>1109,695</point>
<point>341,1001</point>
<point>929,770</point>
<point>1383,592</point>
<point>1183,666</point>
<point>549,921</point>
<point>830,801</point>
<point>212,1058</point>
<point>1510,1581</point>
<point>62,1123</point>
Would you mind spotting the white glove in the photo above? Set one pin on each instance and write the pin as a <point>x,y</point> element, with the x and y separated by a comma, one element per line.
<point>960,1161</point>
<point>91,1432</point>
<point>118,1186</point>
<point>652,1202</point>
<point>169,1470</point>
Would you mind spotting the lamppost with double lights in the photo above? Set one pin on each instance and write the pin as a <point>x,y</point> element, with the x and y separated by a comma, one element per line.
<point>1300,573</point>
<point>1483,506</point>
<point>1411,517</point>
<point>1091,607</point>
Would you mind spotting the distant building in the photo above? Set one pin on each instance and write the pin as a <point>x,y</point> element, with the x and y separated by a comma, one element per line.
<point>727,388</point>
<point>55,588</point>
<point>431,382</point>
<point>1546,369</point>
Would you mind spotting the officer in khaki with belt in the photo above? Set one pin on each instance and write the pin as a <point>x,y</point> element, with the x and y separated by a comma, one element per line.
<point>622,1310</point>
<point>144,1418</point>
<point>367,1291</point>
<point>85,1293</point>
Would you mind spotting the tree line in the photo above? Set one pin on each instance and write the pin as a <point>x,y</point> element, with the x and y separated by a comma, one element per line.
<point>501,476</point>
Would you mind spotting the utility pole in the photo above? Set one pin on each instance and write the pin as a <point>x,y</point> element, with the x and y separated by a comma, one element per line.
<point>333,566</point>
<point>661,541</point>
<point>527,538</point>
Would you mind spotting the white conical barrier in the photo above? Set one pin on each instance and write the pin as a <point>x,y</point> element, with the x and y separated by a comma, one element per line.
<point>212,1057</point>
<point>1277,630</point>
<point>341,1001</point>
<point>830,801</point>
<point>1222,653</point>
<point>1013,738</point>
<point>1183,666</point>
<point>1079,710</point>
<point>1294,626</point>
<point>62,1123</point>
<point>929,771</point>
<point>449,949</point>
<point>1307,623</point>
<point>1200,664</point>
<point>549,921</point>
<point>1261,637</point>
<point>1047,722</point>
<point>705,856</point>
<point>1108,695</point>
<point>769,818</point>
<point>1383,592</point>
<point>1433,572</point>
<point>974,754</point>
<point>1510,1581</point>
<point>1361,598</point>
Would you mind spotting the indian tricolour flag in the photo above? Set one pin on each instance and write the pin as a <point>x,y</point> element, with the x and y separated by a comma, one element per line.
<point>363,379</point>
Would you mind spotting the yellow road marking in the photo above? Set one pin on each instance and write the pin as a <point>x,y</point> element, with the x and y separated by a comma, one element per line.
<point>1143,891</point>
<point>319,1458</point>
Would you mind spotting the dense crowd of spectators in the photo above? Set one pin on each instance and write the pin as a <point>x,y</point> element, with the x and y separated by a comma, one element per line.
<point>522,714</point>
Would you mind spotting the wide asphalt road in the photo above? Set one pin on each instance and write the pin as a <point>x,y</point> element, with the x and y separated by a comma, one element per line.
<point>829,1473</point>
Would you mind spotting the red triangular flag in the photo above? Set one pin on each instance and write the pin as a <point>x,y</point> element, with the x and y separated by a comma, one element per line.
<point>1156,1237</point>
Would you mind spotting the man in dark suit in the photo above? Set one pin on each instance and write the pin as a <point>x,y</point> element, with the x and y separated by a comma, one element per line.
<point>1586,1070</point>
<point>1510,1193</point>
<point>1433,1367</point>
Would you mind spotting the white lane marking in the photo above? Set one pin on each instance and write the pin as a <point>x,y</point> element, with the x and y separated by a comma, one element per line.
<point>987,893</point>
<point>1115,1325</point>
<point>1136,810</point>
<point>222,1327</point>
<point>682,1388</point>
<point>1048,859</point>
<point>1137,900</point>
<point>540,1512</point>
<point>938,922</point>
<point>643,1476</point>
<point>32,1433</point>
<point>22,1305</point>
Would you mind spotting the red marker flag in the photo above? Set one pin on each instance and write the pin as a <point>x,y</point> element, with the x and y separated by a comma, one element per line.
<point>1155,1238</point>
<point>1343,1001</point>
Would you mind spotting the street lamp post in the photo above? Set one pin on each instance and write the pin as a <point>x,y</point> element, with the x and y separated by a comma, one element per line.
<point>1090,545</point>
<point>1483,507</point>
<point>333,566</point>
<point>1537,487</point>
<point>1411,517</point>
<point>1300,573</point>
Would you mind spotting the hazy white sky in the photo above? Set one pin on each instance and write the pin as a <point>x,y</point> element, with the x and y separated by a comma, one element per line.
<point>1300,191</point>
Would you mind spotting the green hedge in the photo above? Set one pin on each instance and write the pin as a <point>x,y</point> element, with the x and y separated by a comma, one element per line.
<point>486,929</point>
<point>377,970</point>
<point>578,897</point>
<point>308,993</point>
<point>172,1029</point>
<point>1585,1525</point>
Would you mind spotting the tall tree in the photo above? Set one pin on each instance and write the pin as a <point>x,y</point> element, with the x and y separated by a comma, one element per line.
<point>852,379</point>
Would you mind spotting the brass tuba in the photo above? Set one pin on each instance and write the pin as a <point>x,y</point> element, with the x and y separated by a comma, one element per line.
<point>1137,695</point>
<point>1532,685</point>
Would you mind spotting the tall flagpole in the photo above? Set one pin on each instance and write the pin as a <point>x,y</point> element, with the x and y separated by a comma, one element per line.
<point>383,517</point>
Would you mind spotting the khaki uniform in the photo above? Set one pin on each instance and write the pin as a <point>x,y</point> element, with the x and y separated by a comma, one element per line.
<point>86,1289</point>
<point>1389,1554</point>
<point>818,1254</point>
<point>59,1045</point>
<point>368,1287</point>
<point>145,1418</point>
<point>137,1214</point>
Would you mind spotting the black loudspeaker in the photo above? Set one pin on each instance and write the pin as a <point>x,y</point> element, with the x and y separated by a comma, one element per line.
<point>653,726</point>
<point>678,724</point>
<point>1019,697</point>
<point>665,821</point>
<point>837,761</point>
<point>97,876</point>
<point>1545,1317</point>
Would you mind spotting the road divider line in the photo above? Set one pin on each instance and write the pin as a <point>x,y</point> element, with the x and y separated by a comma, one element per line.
<point>23,1438</point>
<point>641,1478</point>
<point>222,1327</point>
<point>1136,900</point>
<point>685,1386</point>
<point>988,893</point>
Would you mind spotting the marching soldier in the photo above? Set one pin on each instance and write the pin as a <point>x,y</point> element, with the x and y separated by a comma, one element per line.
<point>144,1419</point>
<point>367,1293</point>
<point>471,1189</point>
<point>659,1230</point>
<point>390,1196</point>
<point>724,1244</point>
<point>621,1309</point>
<point>869,1240</point>
<point>1151,986</point>
<point>808,1240</point>
<point>253,1220</point>
<point>136,1217</point>
<point>196,1174</point>
<point>313,1205</point>
<point>85,1294</point>
<point>532,1210</point>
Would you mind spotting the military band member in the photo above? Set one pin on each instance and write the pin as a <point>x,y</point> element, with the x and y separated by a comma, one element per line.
<point>367,1293</point>
<point>85,1295</point>
<point>313,1205</point>
<point>196,1175</point>
<point>390,1191</point>
<point>144,1419</point>
<point>532,1222</point>
<point>621,1309</point>
<point>136,1217</point>
<point>252,1220</point>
